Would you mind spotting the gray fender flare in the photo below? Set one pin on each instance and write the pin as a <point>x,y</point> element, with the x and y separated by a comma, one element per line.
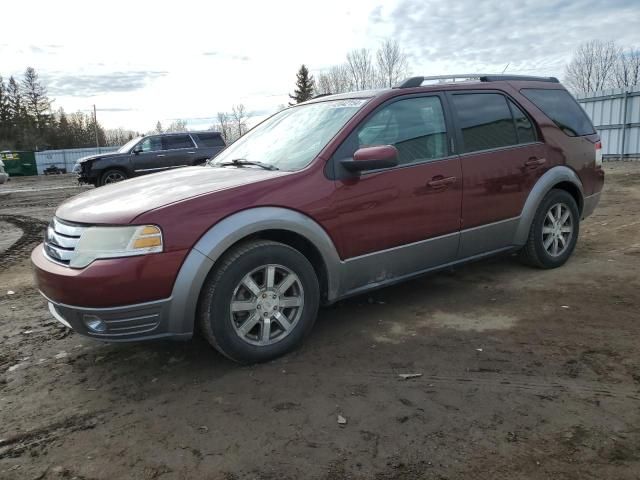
<point>545,183</point>
<point>224,234</point>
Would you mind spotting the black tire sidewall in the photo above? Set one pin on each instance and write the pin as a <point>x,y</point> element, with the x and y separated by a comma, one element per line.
<point>553,197</point>
<point>219,317</point>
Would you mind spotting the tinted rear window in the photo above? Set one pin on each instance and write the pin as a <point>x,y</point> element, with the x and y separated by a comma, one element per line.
<point>560,107</point>
<point>210,139</point>
<point>485,120</point>
<point>174,142</point>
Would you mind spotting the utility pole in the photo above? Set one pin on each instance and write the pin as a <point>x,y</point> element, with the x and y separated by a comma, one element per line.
<point>95,125</point>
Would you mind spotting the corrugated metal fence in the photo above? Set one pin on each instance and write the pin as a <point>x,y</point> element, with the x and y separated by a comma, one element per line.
<point>66,158</point>
<point>616,116</point>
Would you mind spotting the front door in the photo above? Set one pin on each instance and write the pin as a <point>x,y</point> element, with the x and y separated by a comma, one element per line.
<point>402,220</point>
<point>146,160</point>
<point>501,160</point>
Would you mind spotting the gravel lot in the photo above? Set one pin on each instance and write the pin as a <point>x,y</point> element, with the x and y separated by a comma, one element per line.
<point>525,374</point>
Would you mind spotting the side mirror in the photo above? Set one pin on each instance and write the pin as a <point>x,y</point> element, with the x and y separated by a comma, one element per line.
<point>136,150</point>
<point>372,158</point>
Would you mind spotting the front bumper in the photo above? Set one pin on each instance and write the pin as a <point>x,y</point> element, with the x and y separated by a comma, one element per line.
<point>144,321</point>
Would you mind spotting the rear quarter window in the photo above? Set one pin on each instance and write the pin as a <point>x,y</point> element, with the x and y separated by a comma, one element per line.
<point>562,108</point>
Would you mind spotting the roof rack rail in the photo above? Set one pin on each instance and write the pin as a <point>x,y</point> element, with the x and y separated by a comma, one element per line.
<point>413,82</point>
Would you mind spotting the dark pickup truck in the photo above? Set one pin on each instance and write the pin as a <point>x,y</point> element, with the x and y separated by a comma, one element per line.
<point>149,154</point>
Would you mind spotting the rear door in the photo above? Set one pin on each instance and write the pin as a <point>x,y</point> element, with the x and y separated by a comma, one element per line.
<point>501,160</point>
<point>177,150</point>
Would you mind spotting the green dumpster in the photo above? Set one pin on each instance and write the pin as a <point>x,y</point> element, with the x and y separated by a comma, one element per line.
<point>20,163</point>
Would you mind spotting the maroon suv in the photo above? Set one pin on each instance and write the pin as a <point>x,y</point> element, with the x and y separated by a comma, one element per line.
<point>324,200</point>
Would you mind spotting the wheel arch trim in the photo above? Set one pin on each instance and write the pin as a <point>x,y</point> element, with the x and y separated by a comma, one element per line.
<point>223,235</point>
<point>551,178</point>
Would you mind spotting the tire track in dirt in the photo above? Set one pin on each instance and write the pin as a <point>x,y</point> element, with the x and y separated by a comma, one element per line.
<point>32,234</point>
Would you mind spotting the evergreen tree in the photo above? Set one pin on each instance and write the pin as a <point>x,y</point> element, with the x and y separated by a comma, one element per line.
<point>304,86</point>
<point>36,102</point>
<point>4,113</point>
<point>158,127</point>
<point>16,114</point>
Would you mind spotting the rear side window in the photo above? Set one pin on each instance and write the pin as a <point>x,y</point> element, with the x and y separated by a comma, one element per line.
<point>560,107</point>
<point>174,142</point>
<point>485,120</point>
<point>210,139</point>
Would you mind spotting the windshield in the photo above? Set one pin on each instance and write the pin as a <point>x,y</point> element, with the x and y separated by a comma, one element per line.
<point>129,145</point>
<point>291,139</point>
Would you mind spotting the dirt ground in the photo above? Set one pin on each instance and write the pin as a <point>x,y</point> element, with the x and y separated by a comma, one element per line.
<point>526,374</point>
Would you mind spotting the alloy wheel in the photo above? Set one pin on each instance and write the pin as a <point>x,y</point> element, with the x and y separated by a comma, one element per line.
<point>557,229</point>
<point>114,177</point>
<point>266,305</point>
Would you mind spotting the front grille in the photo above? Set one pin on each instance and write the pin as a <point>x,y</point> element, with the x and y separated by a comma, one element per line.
<point>61,239</point>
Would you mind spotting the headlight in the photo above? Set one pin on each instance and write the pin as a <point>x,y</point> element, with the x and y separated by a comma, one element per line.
<point>113,242</point>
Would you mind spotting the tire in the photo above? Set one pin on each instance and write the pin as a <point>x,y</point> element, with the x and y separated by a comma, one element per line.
<point>231,332</point>
<point>544,247</point>
<point>112,176</point>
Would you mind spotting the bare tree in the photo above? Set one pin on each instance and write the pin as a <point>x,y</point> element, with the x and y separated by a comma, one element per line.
<point>361,68</point>
<point>116,137</point>
<point>177,126</point>
<point>627,70</point>
<point>592,66</point>
<point>392,63</point>
<point>239,118</point>
<point>336,80</point>
<point>223,125</point>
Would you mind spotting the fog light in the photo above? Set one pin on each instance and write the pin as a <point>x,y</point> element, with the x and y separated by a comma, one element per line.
<point>93,323</point>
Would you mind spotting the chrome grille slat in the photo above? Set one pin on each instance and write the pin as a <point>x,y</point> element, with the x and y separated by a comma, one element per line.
<point>61,239</point>
<point>58,253</point>
<point>67,229</point>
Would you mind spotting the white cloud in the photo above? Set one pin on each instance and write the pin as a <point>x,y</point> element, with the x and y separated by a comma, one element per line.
<point>145,61</point>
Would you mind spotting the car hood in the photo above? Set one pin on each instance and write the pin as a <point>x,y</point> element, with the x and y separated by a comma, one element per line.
<point>97,156</point>
<point>120,203</point>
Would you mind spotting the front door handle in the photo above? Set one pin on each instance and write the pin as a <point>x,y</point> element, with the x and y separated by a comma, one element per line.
<point>534,162</point>
<point>161,155</point>
<point>440,182</point>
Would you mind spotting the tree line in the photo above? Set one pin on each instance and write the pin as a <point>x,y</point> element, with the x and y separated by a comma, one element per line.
<point>361,70</point>
<point>599,65</point>
<point>27,121</point>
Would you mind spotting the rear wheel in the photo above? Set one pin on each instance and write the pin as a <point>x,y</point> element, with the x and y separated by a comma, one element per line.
<point>112,176</point>
<point>260,302</point>
<point>554,231</point>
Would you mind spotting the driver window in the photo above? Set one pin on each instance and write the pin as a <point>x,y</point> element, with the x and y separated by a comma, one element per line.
<point>151,144</point>
<point>415,126</point>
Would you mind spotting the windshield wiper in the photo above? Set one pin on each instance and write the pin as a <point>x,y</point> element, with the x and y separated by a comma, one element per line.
<point>241,162</point>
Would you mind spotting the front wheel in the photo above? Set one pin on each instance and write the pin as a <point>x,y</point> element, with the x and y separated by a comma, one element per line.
<point>112,176</point>
<point>260,302</point>
<point>554,231</point>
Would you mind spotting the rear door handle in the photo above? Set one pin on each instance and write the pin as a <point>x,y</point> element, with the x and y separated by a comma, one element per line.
<point>441,182</point>
<point>535,162</point>
<point>161,155</point>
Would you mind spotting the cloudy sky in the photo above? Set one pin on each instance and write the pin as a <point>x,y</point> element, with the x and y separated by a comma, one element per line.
<point>141,61</point>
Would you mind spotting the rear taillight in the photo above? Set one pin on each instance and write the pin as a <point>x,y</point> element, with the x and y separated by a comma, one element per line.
<point>598,154</point>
